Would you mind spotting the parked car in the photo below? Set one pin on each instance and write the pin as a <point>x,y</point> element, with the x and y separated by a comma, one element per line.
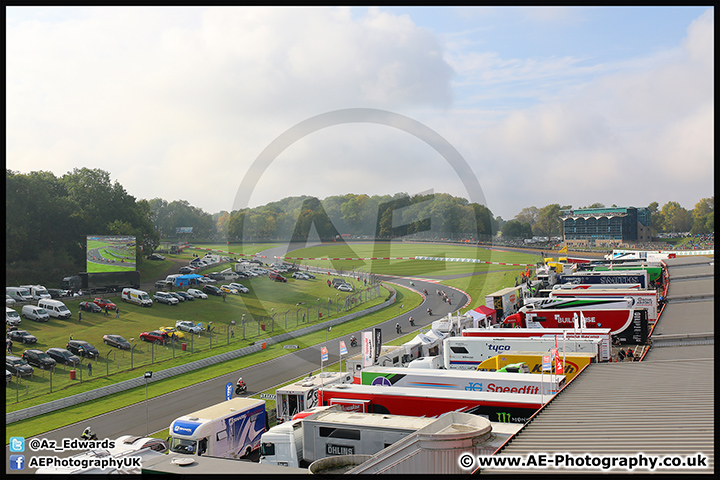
<point>186,270</point>
<point>197,293</point>
<point>90,307</point>
<point>82,348</point>
<point>155,336</point>
<point>57,293</point>
<point>21,336</point>
<point>300,276</point>
<point>39,359</point>
<point>63,356</point>
<point>155,256</point>
<point>188,326</point>
<point>12,317</point>
<point>172,332</point>
<point>239,287</point>
<point>18,366</point>
<point>177,296</point>
<point>212,290</point>
<point>345,287</point>
<point>228,289</point>
<point>277,277</point>
<point>104,302</point>
<point>164,297</point>
<point>185,295</point>
<point>116,341</point>
<point>9,300</point>
<point>310,275</point>
<point>208,279</point>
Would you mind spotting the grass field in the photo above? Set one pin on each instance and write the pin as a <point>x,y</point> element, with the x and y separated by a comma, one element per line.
<point>267,296</point>
<point>66,416</point>
<point>270,308</point>
<point>420,268</point>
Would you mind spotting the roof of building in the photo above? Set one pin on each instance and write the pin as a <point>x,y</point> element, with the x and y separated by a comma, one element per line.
<point>660,406</point>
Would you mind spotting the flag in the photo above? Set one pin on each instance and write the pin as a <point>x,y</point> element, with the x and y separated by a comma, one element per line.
<point>324,352</point>
<point>582,321</point>
<point>563,250</point>
<point>343,348</point>
<point>575,321</point>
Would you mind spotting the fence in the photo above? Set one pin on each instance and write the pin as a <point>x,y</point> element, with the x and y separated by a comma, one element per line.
<point>143,354</point>
<point>198,364</point>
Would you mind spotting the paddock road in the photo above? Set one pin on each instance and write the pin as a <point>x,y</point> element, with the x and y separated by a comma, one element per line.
<point>157,413</point>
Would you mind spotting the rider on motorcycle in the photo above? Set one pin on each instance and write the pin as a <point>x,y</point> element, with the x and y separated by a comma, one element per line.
<point>88,434</point>
<point>412,321</point>
<point>240,383</point>
<point>429,311</point>
<point>353,340</point>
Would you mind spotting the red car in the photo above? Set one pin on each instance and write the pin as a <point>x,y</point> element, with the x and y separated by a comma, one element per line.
<point>155,337</point>
<point>277,277</point>
<point>102,303</point>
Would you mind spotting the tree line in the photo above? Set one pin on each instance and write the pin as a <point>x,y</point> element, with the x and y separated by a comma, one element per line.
<point>671,218</point>
<point>49,217</point>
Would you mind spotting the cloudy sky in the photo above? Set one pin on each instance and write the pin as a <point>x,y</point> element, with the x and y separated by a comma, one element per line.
<point>230,107</point>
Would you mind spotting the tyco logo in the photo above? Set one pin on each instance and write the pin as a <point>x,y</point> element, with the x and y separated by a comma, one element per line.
<point>499,348</point>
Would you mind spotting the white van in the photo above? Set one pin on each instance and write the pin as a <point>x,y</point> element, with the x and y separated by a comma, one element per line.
<point>11,317</point>
<point>137,297</point>
<point>32,312</point>
<point>19,294</point>
<point>55,308</point>
<point>38,292</point>
<point>170,280</point>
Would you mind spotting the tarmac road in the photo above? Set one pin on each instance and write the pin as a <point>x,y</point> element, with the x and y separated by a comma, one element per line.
<point>157,413</point>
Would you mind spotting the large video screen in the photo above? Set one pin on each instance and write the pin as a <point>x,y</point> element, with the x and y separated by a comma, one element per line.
<point>110,253</point>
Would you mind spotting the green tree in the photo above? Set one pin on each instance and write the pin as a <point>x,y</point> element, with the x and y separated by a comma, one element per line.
<point>676,218</point>
<point>703,216</point>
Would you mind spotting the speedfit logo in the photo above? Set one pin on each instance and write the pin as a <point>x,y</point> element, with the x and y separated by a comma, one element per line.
<point>499,348</point>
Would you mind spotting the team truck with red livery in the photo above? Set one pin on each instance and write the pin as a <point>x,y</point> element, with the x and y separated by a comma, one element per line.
<point>462,380</point>
<point>432,402</point>
<point>331,431</point>
<point>466,353</point>
<point>561,334</point>
<point>628,325</point>
<point>647,299</point>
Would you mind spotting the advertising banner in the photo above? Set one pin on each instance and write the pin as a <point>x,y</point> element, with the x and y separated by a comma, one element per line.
<point>367,349</point>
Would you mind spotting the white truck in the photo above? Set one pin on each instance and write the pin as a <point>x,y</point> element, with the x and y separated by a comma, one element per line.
<point>138,297</point>
<point>647,299</point>
<point>303,394</point>
<point>231,429</point>
<point>331,432</point>
<point>466,353</point>
<point>37,292</point>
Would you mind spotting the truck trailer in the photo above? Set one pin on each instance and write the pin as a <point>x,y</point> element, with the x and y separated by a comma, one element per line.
<point>505,302</point>
<point>628,325</point>
<point>231,429</point>
<point>566,334</point>
<point>296,397</point>
<point>466,353</point>
<point>647,299</point>
<point>462,380</point>
<point>331,432</point>
<point>573,362</point>
<point>432,402</point>
<point>102,282</point>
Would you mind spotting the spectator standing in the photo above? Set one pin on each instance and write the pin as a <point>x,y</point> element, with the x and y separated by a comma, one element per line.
<point>106,311</point>
<point>630,354</point>
<point>79,316</point>
<point>117,312</point>
<point>89,369</point>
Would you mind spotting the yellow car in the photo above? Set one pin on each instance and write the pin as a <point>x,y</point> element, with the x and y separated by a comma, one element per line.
<point>172,332</point>
<point>228,289</point>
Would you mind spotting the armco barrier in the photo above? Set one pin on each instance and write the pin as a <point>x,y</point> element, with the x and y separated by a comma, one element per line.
<point>188,367</point>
